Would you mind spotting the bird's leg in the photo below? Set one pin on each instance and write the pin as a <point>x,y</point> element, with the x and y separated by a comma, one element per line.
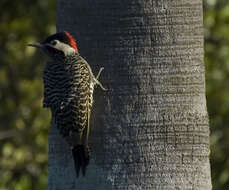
<point>97,79</point>
<point>100,71</point>
<point>101,86</point>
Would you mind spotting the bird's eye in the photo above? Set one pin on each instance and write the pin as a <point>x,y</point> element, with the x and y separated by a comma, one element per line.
<point>54,42</point>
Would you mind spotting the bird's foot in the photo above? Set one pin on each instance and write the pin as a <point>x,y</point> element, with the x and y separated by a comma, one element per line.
<point>97,79</point>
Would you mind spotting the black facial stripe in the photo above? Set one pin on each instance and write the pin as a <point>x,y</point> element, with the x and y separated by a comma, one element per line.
<point>53,50</point>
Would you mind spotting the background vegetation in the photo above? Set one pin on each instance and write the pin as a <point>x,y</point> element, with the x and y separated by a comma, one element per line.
<point>216,24</point>
<point>24,124</point>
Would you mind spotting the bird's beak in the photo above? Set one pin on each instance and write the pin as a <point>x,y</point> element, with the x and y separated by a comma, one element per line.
<point>36,45</point>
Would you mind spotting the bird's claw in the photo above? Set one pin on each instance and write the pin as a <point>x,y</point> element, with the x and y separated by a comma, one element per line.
<point>97,79</point>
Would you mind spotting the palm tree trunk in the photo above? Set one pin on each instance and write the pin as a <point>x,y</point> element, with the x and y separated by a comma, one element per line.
<point>150,129</point>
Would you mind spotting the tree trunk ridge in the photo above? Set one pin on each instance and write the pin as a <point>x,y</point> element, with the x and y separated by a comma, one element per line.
<point>150,129</point>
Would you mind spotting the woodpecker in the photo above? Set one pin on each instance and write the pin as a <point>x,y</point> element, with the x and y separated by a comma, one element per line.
<point>68,91</point>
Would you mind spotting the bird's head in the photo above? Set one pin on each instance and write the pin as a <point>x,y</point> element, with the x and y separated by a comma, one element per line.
<point>59,44</point>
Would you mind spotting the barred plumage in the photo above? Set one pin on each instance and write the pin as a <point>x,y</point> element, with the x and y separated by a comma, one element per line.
<point>68,92</point>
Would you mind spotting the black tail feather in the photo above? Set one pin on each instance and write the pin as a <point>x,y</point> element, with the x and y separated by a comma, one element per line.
<point>81,158</point>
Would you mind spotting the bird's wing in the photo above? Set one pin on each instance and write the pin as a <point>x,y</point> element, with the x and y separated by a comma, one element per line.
<point>84,99</point>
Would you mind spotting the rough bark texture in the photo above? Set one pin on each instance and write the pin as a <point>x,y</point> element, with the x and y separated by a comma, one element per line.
<point>150,129</point>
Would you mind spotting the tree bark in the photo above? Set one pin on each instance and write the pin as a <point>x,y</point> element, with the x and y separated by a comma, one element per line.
<point>150,129</point>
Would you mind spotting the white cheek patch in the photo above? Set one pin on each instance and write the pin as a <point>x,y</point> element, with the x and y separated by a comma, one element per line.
<point>64,48</point>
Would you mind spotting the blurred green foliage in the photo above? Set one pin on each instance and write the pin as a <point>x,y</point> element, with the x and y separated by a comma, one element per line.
<point>216,22</point>
<point>24,124</point>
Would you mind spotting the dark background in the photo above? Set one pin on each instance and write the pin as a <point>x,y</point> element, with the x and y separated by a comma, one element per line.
<point>24,124</point>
